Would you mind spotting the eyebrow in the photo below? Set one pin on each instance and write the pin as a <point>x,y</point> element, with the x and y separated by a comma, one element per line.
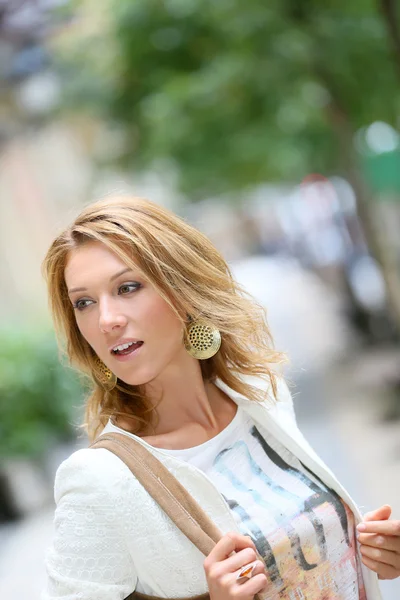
<point>83,289</point>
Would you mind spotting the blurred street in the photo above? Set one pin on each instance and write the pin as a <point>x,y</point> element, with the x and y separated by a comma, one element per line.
<point>340,413</point>
<point>273,130</point>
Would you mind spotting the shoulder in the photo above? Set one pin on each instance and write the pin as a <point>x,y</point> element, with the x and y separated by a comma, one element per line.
<point>279,405</point>
<point>283,394</point>
<point>89,471</point>
<point>283,390</point>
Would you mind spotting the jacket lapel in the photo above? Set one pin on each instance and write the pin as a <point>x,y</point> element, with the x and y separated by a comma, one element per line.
<point>278,418</point>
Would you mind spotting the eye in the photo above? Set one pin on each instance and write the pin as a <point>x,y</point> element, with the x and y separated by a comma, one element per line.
<point>81,304</point>
<point>127,288</point>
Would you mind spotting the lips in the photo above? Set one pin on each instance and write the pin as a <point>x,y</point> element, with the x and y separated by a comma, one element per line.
<point>129,354</point>
<point>132,346</point>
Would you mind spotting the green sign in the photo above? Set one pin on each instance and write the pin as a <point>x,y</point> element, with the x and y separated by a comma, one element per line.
<point>382,171</point>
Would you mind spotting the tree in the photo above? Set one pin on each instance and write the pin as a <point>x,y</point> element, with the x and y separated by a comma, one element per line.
<point>232,94</point>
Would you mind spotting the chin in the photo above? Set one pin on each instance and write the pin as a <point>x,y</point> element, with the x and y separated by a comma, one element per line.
<point>137,378</point>
<point>132,380</point>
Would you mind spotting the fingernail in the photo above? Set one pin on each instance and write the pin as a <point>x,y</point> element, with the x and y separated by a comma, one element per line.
<point>361,527</point>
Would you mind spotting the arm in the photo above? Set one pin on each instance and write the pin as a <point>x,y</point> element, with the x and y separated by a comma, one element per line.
<point>89,558</point>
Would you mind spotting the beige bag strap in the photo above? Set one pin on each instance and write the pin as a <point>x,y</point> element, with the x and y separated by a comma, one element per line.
<point>169,493</point>
<point>164,488</point>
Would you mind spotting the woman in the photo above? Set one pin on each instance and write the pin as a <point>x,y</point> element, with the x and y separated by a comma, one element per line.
<point>182,361</point>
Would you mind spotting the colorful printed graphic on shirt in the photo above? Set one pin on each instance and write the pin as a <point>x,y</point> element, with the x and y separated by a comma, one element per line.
<point>301,528</point>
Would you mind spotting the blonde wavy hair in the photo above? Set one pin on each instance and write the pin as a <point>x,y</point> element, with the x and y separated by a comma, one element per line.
<point>190,275</point>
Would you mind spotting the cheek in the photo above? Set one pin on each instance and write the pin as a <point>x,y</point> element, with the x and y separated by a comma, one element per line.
<point>87,329</point>
<point>162,322</point>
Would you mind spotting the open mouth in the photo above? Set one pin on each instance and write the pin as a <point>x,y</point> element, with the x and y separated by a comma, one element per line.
<point>127,348</point>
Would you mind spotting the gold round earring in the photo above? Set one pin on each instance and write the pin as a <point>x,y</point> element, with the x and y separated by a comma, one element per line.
<point>103,375</point>
<point>202,339</point>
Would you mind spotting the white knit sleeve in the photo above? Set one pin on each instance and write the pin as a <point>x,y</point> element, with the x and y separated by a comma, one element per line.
<point>89,559</point>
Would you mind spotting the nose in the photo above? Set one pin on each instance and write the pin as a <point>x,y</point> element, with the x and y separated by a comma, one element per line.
<point>110,317</point>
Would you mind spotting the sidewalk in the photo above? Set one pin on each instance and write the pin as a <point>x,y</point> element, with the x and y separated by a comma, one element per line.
<point>339,414</point>
<point>22,573</point>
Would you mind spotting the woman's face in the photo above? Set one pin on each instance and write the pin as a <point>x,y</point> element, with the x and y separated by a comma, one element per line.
<point>115,306</point>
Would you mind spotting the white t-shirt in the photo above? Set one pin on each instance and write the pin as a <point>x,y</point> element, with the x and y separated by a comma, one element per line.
<point>301,528</point>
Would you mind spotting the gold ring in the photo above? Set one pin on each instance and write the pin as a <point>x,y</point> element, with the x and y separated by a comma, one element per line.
<point>246,572</point>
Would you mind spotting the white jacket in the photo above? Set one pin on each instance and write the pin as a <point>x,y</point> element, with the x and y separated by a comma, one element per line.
<point>109,531</point>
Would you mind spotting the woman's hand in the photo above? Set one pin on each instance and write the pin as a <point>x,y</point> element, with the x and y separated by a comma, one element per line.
<point>222,569</point>
<point>380,543</point>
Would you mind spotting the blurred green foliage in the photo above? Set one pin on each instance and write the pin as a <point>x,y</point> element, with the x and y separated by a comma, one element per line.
<point>232,93</point>
<point>39,398</point>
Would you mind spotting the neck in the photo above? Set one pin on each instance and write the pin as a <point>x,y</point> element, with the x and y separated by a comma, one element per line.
<point>182,397</point>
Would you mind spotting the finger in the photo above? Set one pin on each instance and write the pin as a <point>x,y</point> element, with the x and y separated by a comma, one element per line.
<point>231,580</point>
<point>383,571</point>
<point>382,556</point>
<point>384,527</point>
<point>229,543</point>
<point>388,542</point>
<point>380,514</point>
<point>255,585</point>
<point>238,560</point>
<point>258,567</point>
